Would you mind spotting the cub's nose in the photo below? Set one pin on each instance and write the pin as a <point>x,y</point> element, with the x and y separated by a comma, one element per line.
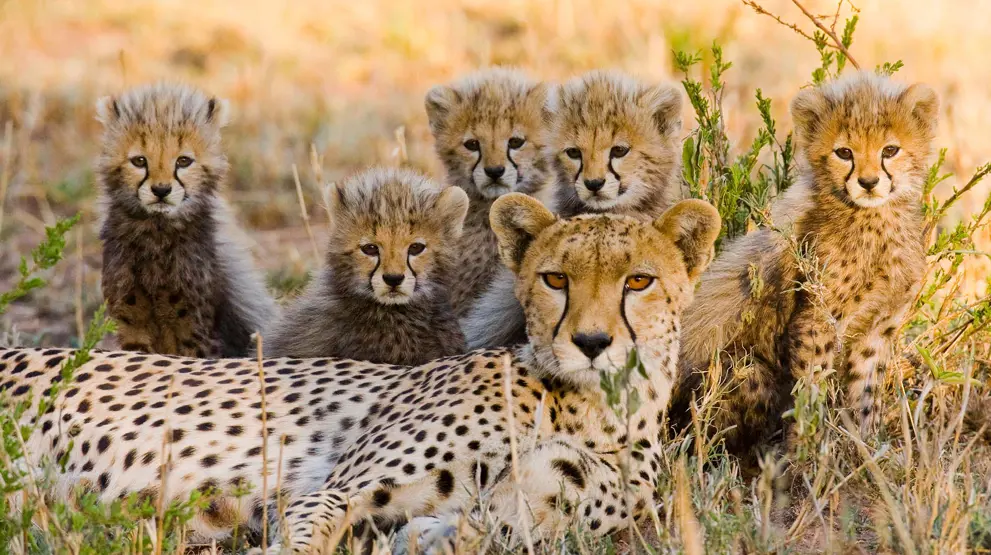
<point>495,172</point>
<point>592,344</point>
<point>868,183</point>
<point>594,184</point>
<point>393,280</point>
<point>161,191</point>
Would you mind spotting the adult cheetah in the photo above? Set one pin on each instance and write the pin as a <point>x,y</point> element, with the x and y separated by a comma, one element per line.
<point>362,440</point>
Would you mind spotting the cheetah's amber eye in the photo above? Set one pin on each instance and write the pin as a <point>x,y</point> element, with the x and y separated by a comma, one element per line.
<point>417,248</point>
<point>619,151</point>
<point>516,143</point>
<point>139,161</point>
<point>573,153</point>
<point>370,249</point>
<point>472,145</point>
<point>844,153</point>
<point>556,281</point>
<point>183,162</point>
<point>889,151</point>
<point>638,282</point>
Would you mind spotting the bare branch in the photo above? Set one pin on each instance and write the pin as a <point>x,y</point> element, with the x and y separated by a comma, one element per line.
<point>837,43</point>
<point>761,11</point>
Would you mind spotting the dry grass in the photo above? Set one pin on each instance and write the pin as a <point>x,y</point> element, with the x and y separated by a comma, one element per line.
<point>332,87</point>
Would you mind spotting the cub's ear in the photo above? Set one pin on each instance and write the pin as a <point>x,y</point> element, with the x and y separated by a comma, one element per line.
<point>439,102</point>
<point>664,103</point>
<point>217,112</point>
<point>334,197</point>
<point>452,204</point>
<point>543,99</point>
<point>107,110</point>
<point>923,103</point>
<point>517,220</point>
<point>807,109</point>
<point>693,225</point>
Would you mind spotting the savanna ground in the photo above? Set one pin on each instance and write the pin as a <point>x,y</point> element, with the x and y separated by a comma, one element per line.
<point>330,87</point>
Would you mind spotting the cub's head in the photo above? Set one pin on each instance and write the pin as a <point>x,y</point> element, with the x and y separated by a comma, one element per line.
<point>594,287</point>
<point>866,138</point>
<point>161,149</point>
<point>489,130</point>
<point>616,146</point>
<point>392,235</point>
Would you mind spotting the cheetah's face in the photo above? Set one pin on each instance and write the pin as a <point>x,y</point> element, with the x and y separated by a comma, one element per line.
<point>615,139</point>
<point>490,134</point>
<point>594,288</point>
<point>162,157</point>
<point>391,240</point>
<point>868,140</point>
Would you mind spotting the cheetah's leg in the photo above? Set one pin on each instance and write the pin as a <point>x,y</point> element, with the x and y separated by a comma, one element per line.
<point>863,354</point>
<point>312,521</point>
<point>812,341</point>
<point>561,481</point>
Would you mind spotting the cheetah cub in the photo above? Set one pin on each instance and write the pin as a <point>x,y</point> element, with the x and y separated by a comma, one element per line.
<point>489,131</point>
<point>176,277</point>
<point>615,148</point>
<point>863,144</point>
<point>383,294</point>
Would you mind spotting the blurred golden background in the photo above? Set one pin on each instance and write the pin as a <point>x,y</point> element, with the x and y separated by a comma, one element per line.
<point>348,78</point>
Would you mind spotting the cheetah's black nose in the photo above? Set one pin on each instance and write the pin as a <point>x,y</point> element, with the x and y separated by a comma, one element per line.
<point>595,185</point>
<point>161,191</point>
<point>495,172</point>
<point>868,183</point>
<point>393,280</point>
<point>592,344</point>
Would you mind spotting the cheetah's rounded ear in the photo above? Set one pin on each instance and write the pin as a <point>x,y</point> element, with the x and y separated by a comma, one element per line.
<point>923,103</point>
<point>545,95</point>
<point>439,102</point>
<point>334,197</point>
<point>693,225</point>
<point>807,109</point>
<point>517,220</point>
<point>107,110</point>
<point>452,203</point>
<point>218,112</point>
<point>664,103</point>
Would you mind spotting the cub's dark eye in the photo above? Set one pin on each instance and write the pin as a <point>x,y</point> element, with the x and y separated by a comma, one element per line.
<point>183,162</point>
<point>638,283</point>
<point>889,151</point>
<point>573,153</point>
<point>556,281</point>
<point>472,145</point>
<point>844,153</point>
<point>370,249</point>
<point>417,248</point>
<point>619,151</point>
<point>516,142</point>
<point>139,161</point>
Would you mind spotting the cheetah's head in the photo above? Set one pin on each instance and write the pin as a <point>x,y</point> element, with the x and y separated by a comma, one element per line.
<point>489,131</point>
<point>866,137</point>
<point>392,235</point>
<point>615,142</point>
<point>594,287</point>
<point>161,149</point>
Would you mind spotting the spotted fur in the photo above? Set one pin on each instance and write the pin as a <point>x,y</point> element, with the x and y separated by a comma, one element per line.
<point>867,241</point>
<point>490,132</point>
<point>381,441</point>
<point>176,274</point>
<point>389,305</point>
